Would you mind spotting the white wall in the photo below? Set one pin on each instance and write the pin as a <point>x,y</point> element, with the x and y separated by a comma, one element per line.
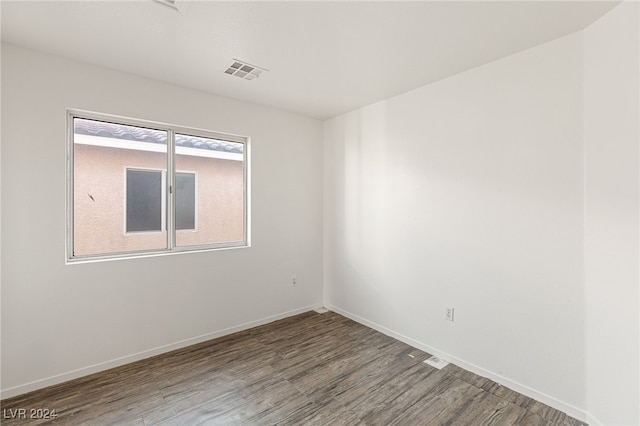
<point>63,321</point>
<point>612,138</point>
<point>468,193</point>
<point>510,192</point>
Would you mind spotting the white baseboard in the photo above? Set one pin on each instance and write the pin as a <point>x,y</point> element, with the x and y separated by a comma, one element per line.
<point>520,388</point>
<point>84,371</point>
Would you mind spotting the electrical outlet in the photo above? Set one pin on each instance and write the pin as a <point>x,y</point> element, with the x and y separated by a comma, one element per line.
<point>448,313</point>
<point>294,282</point>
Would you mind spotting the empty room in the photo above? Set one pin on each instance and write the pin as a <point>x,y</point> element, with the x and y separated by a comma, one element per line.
<point>320,213</point>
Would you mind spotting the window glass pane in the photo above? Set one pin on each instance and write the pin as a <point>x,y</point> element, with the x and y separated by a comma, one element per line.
<point>185,201</point>
<point>144,200</point>
<point>120,198</point>
<point>218,190</point>
<point>102,154</point>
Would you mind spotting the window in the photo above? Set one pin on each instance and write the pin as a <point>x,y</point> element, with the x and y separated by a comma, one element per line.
<point>137,187</point>
<point>185,201</point>
<point>146,208</point>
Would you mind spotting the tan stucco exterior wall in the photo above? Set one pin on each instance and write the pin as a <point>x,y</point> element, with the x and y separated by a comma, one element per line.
<point>99,226</point>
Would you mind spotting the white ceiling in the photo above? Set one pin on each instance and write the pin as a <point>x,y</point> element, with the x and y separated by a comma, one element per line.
<point>325,58</point>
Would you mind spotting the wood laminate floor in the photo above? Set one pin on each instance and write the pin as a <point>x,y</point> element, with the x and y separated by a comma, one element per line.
<point>311,369</point>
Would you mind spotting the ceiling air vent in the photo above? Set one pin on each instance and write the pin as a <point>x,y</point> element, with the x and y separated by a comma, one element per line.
<point>244,70</point>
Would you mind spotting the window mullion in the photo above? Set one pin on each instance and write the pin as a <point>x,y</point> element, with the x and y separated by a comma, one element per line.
<point>171,189</point>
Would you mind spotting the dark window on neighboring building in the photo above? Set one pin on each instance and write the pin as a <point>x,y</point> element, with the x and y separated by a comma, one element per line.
<point>144,201</point>
<point>185,201</point>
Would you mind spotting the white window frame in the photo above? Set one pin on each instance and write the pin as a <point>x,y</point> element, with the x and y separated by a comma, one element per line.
<point>172,150</point>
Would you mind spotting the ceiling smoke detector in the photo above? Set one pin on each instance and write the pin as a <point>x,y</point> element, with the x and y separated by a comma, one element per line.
<point>244,70</point>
